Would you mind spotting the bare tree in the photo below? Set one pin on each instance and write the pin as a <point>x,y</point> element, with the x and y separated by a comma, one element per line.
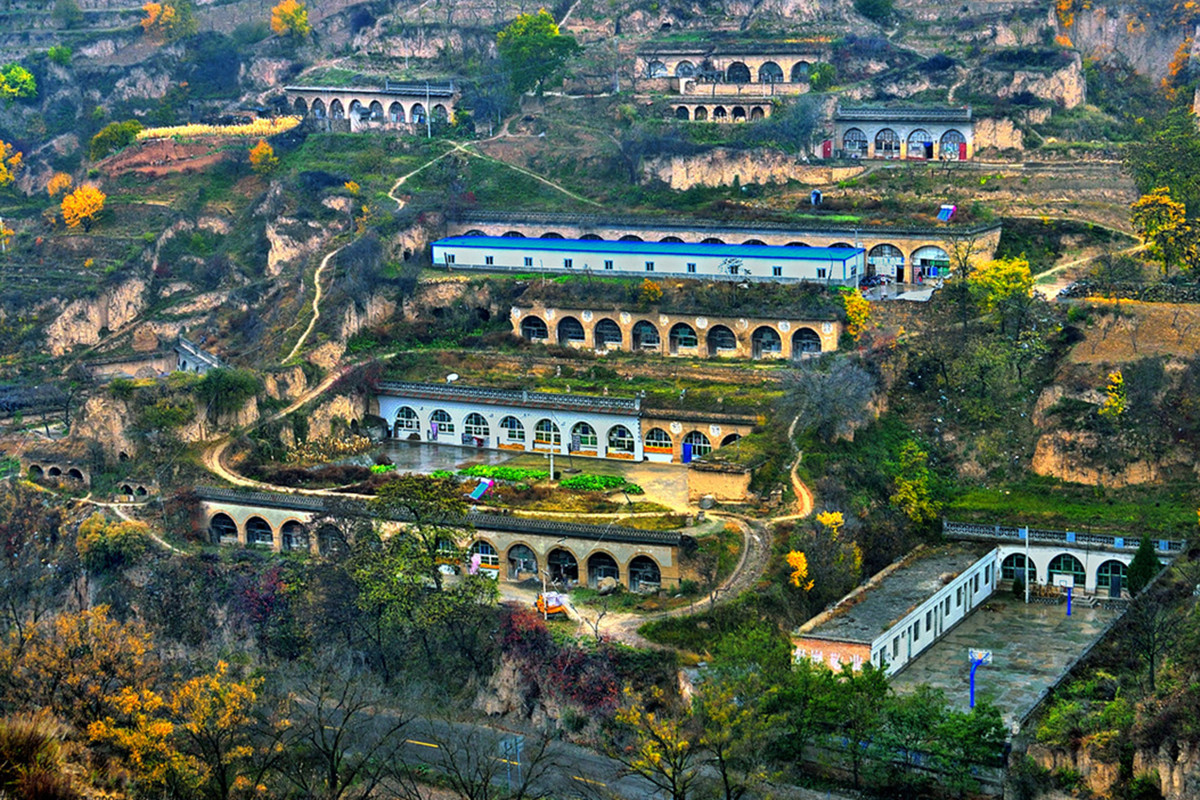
<point>830,396</point>
<point>481,763</point>
<point>1152,625</point>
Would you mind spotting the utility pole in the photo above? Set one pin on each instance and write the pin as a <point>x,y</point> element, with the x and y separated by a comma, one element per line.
<point>428,114</point>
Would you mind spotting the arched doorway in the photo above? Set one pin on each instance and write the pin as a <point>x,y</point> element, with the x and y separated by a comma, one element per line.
<point>739,114</point>
<point>1111,577</point>
<point>954,146</point>
<point>730,439</point>
<point>757,113</point>
<point>563,567</point>
<point>695,445</point>
<point>721,341</point>
<point>418,114</point>
<point>765,341</point>
<point>755,242</point>
<point>570,331</point>
<point>336,111</point>
<point>920,144</point>
<point>797,244</point>
<point>737,72</point>
<point>534,330</point>
<point>376,109</point>
<point>395,113</point>
<point>930,260</point>
<point>222,529</point>
<point>886,259</point>
<point>295,535</point>
<point>800,72</point>
<point>671,240</point>
<point>602,565</point>
<point>700,114</point>
<point>126,489</point>
<point>805,340</point>
<point>607,334</point>
<point>36,471</point>
<point>74,474</point>
<point>770,72</point>
<point>318,108</point>
<point>356,109</point>
<point>682,113</point>
<point>300,107</point>
<point>440,115</point>
<point>681,335</point>
<point>258,532</point>
<point>719,113</point>
<point>657,69</point>
<point>522,563</point>
<point>645,336</point>
<point>644,575</point>
<point>1015,567</point>
<point>855,144</point>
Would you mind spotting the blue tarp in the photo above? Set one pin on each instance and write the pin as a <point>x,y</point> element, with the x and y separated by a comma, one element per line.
<point>480,490</point>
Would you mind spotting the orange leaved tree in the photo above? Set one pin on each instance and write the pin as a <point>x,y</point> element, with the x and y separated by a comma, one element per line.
<point>59,183</point>
<point>83,206</point>
<point>10,163</point>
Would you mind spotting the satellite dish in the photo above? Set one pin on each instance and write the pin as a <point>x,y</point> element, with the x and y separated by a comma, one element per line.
<point>452,377</point>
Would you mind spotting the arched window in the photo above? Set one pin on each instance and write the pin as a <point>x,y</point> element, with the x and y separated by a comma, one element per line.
<point>300,106</point>
<point>701,446</point>
<point>765,340</point>
<point>721,341</point>
<point>954,146</point>
<point>222,528</point>
<point>356,108</point>
<point>514,431</point>
<point>533,329</point>
<point>586,435</point>
<point>336,111</point>
<point>682,113</point>
<point>805,340</point>
<point>376,109</point>
<point>644,574</point>
<point>800,72</point>
<point>658,441</point>
<point>418,114</point>
<point>730,439</point>
<point>920,144</point>
<point>630,237</point>
<point>671,240</point>
<point>318,108</point>
<point>854,142</point>
<point>551,235</point>
<point>331,540</point>
<point>445,424</point>
<point>522,562</point>
<point>737,72</point>
<point>126,489</point>
<point>564,568</point>
<point>476,425</point>
<point>1066,565</point>
<point>36,471</point>
<point>887,144</point>
<point>396,112</point>
<point>757,113</point>
<point>720,113</point>
<point>756,242</point>
<point>487,554</point>
<point>570,330</point>
<point>407,420</point>
<point>591,237</point>
<point>685,69</point>
<point>700,114</point>
<point>1014,566</point>
<point>656,69</point>
<point>739,114</point>
<point>712,240</point>
<point>440,115</point>
<point>295,535</point>
<point>74,474</point>
<point>608,333</point>
<point>258,532</point>
<point>682,335</point>
<point>770,72</point>
<point>797,244</point>
<point>620,440</point>
<point>602,565</point>
<point>845,245</point>
<point>645,336</point>
<point>546,434</point>
<point>513,235</point>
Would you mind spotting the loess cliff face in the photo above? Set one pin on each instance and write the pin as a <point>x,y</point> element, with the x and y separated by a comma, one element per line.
<point>84,321</point>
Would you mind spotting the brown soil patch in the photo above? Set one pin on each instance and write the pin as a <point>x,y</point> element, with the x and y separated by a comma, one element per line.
<point>165,156</point>
<point>1138,330</point>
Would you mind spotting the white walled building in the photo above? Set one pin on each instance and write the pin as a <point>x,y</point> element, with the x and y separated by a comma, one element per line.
<point>836,266</point>
<point>864,626</point>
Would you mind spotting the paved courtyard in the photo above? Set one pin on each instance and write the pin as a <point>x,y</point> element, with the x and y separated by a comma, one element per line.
<point>1031,646</point>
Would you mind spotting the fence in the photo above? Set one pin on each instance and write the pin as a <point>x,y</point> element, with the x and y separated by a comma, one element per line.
<point>993,533</point>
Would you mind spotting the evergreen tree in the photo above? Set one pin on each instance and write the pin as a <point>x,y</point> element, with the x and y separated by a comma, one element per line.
<point>1144,566</point>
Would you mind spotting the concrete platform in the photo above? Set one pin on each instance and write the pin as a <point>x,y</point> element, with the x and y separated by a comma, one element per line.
<point>1031,646</point>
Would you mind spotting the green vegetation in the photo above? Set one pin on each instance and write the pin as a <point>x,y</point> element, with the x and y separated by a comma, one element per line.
<point>503,473</point>
<point>112,137</point>
<point>533,51</point>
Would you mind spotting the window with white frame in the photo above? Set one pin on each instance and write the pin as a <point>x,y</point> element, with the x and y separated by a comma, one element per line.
<point>444,422</point>
<point>649,266</point>
<point>546,433</point>
<point>489,260</point>
<point>514,431</point>
<point>820,272</point>
<point>691,267</point>
<point>529,261</point>
<point>476,425</point>
<point>608,264</point>
<point>620,440</point>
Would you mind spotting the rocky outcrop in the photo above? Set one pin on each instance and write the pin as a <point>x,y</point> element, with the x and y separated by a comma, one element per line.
<point>1072,456</point>
<point>1177,766</point>
<point>290,240</point>
<point>104,419</point>
<point>286,384</point>
<point>1099,31</point>
<point>1099,773</point>
<point>342,407</point>
<point>1000,134</point>
<point>82,320</point>
<point>140,84</point>
<point>720,167</point>
<point>376,310</point>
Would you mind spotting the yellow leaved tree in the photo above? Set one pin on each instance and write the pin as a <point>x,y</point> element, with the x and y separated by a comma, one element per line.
<point>1114,396</point>
<point>858,313</point>
<point>59,183</point>
<point>262,158</point>
<point>290,18</point>
<point>659,746</point>
<point>799,577</point>
<point>1162,222</point>
<point>10,163</point>
<point>166,22</point>
<point>83,206</point>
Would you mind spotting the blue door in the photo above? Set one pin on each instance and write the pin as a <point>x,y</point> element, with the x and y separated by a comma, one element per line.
<point>687,453</point>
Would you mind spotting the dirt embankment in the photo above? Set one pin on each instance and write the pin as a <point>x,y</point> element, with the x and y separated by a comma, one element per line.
<point>165,156</point>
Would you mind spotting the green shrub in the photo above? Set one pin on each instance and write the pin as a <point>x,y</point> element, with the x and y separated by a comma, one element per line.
<point>592,483</point>
<point>105,545</point>
<point>875,10</point>
<point>225,391</point>
<point>60,54</point>
<point>113,137</point>
<point>503,473</point>
<point>379,469</point>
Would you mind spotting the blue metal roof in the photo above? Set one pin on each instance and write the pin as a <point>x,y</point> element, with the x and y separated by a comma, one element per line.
<point>763,251</point>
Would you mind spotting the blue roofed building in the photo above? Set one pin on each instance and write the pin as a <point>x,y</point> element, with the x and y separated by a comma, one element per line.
<point>835,266</point>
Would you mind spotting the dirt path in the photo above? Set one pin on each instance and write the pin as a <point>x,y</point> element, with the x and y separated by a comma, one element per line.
<point>529,174</point>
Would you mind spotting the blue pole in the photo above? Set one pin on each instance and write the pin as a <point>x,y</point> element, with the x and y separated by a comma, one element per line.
<point>974,666</point>
<point>1069,601</point>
